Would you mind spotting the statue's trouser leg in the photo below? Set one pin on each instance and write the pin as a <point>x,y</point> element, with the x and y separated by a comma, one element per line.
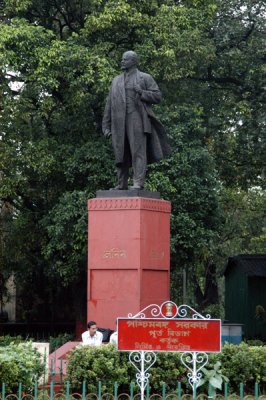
<point>138,147</point>
<point>123,168</point>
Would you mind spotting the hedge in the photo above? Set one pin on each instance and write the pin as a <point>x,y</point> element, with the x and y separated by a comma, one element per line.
<point>239,363</point>
<point>20,363</point>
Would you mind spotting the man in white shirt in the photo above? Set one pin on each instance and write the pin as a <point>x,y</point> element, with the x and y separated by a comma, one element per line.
<point>92,337</point>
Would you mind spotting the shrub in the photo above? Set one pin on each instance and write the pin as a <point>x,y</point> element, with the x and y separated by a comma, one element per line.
<point>255,342</point>
<point>168,369</point>
<point>106,364</point>
<point>20,363</point>
<point>7,339</point>
<point>94,364</point>
<point>239,363</point>
<point>242,363</point>
<point>259,357</point>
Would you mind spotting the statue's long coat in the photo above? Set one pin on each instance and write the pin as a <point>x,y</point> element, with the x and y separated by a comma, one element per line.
<point>115,115</point>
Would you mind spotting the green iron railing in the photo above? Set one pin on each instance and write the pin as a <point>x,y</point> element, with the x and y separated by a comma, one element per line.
<point>53,391</point>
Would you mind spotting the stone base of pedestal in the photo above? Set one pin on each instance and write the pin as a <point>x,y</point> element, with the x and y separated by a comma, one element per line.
<point>127,193</point>
<point>129,256</point>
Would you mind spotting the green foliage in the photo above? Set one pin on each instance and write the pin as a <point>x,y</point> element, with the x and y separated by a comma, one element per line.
<point>242,363</point>
<point>7,340</point>
<point>106,364</point>
<point>244,223</point>
<point>235,364</point>
<point>160,372</point>
<point>207,58</point>
<point>213,377</point>
<point>54,341</point>
<point>255,342</point>
<point>94,364</point>
<point>20,363</point>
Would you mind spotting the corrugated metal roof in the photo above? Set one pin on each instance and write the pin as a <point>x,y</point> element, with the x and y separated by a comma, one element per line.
<point>249,264</point>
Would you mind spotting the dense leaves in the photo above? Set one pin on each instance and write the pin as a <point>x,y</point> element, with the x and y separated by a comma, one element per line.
<point>236,363</point>
<point>20,363</point>
<point>57,60</point>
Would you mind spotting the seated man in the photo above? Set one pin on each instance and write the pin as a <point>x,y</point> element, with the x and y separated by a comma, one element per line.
<point>92,337</point>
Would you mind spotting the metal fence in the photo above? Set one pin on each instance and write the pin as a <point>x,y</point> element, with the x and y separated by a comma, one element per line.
<point>54,391</point>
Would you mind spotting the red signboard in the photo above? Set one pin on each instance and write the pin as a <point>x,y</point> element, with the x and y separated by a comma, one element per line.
<point>152,334</point>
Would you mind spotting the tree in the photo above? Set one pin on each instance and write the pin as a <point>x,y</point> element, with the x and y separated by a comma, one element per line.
<point>235,120</point>
<point>206,57</point>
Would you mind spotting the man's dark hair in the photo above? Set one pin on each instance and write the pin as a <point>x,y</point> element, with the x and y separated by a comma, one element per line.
<point>91,323</point>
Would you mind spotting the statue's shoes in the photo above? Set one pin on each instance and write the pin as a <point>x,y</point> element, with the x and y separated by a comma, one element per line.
<point>136,187</point>
<point>118,187</point>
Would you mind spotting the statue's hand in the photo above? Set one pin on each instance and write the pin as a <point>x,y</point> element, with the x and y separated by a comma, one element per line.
<point>107,133</point>
<point>137,88</point>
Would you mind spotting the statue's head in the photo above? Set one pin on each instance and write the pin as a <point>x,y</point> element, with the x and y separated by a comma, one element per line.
<point>129,60</point>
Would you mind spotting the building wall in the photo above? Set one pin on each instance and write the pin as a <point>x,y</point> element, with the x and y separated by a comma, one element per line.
<point>256,327</point>
<point>244,291</point>
<point>235,296</point>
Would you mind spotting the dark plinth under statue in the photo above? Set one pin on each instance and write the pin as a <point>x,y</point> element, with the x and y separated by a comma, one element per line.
<point>129,253</point>
<point>128,193</point>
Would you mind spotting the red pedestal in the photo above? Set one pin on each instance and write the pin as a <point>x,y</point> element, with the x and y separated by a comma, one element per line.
<point>129,256</point>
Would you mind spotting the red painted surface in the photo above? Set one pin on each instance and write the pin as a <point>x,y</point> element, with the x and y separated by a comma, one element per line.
<point>57,359</point>
<point>129,256</point>
<point>81,326</point>
<point>178,335</point>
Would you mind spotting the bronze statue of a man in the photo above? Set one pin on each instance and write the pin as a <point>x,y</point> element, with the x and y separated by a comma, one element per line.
<point>138,137</point>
